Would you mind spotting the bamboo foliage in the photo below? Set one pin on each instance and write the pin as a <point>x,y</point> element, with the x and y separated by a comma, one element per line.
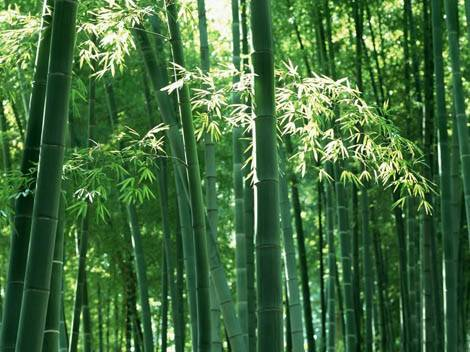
<point>365,176</point>
<point>210,173</point>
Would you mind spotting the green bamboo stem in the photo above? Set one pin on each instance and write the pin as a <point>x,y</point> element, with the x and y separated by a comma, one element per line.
<point>63,325</point>
<point>293,294</point>
<point>195,189</point>
<point>84,227</point>
<point>24,205</point>
<point>165,107</point>
<point>237,148</point>
<point>413,243</point>
<point>19,119</point>
<point>307,306</point>
<point>188,253</point>
<point>346,262</point>
<point>403,277</point>
<point>331,280</point>
<point>170,266</point>
<point>321,246</point>
<point>288,332</point>
<point>87,328</point>
<point>224,297</point>
<point>248,199</point>
<point>358,12</point>
<point>100,320</point>
<point>49,179</point>
<point>164,309</point>
<point>141,277</point>
<point>180,284</point>
<point>158,73</point>
<point>51,340</point>
<point>182,253</point>
<point>385,337</point>
<point>266,184</point>
<point>210,174</point>
<point>109,301</point>
<point>368,275</point>
<point>6,156</point>
<point>452,20</point>
<point>79,285</point>
<point>339,294</point>
<point>428,148</point>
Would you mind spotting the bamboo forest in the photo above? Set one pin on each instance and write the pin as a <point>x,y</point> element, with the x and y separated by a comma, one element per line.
<point>234,175</point>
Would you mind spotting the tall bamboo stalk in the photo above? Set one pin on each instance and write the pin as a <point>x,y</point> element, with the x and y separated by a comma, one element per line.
<point>195,189</point>
<point>87,327</point>
<point>51,340</point>
<point>160,80</point>
<point>24,205</point>
<point>237,148</point>
<point>331,280</point>
<point>84,225</point>
<point>49,179</point>
<point>141,277</point>
<point>452,21</point>
<point>157,71</point>
<point>170,266</point>
<point>266,183</point>
<point>428,148</point>
<point>295,308</point>
<point>305,282</point>
<point>210,174</point>
<point>248,199</point>
<point>368,275</point>
<point>346,262</point>
<point>79,285</point>
<point>164,315</point>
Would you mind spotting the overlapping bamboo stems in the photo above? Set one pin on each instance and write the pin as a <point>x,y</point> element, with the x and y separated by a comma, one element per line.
<point>170,264</point>
<point>24,205</point>
<point>160,80</point>
<point>429,232</point>
<point>49,180</point>
<point>237,149</point>
<point>79,285</point>
<point>87,327</point>
<point>164,309</point>
<point>136,237</point>
<point>302,251</point>
<point>295,307</point>
<point>141,277</point>
<point>84,224</point>
<point>157,71</point>
<point>452,21</point>
<point>210,174</point>
<point>163,191</point>
<point>51,340</point>
<point>248,197</point>
<point>447,223</point>
<point>343,219</point>
<point>195,188</point>
<point>331,281</point>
